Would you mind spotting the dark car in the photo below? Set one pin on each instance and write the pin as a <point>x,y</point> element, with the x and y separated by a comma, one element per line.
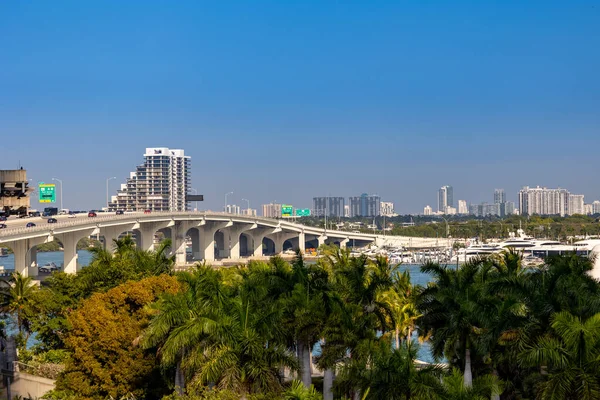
<point>3,218</point>
<point>92,214</point>
<point>3,226</point>
<point>30,225</point>
<point>52,220</point>
<point>119,212</point>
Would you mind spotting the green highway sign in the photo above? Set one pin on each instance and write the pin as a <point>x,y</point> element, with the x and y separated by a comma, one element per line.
<point>287,210</point>
<point>303,212</point>
<point>47,192</point>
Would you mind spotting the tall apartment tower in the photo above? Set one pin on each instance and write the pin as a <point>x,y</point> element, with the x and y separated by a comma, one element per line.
<point>365,205</point>
<point>445,198</point>
<point>543,201</point>
<point>330,206</point>
<point>272,210</point>
<point>159,184</point>
<point>499,196</point>
<point>462,207</point>
<point>576,204</point>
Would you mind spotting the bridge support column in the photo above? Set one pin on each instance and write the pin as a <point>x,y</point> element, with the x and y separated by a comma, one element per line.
<point>207,238</point>
<point>69,241</point>
<point>195,236</point>
<point>146,231</point>
<point>257,241</point>
<point>344,243</point>
<point>19,249</point>
<point>25,254</point>
<point>178,237</point>
<point>279,239</point>
<point>110,234</point>
<point>302,242</point>
<point>234,239</point>
<point>321,239</point>
<point>31,260</point>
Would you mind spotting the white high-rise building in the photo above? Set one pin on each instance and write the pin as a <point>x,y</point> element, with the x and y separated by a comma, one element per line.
<point>249,211</point>
<point>576,204</point>
<point>445,198</point>
<point>271,210</point>
<point>462,207</point>
<point>347,211</point>
<point>232,209</point>
<point>596,207</point>
<point>588,209</point>
<point>161,183</point>
<point>450,211</point>
<point>427,210</point>
<point>543,201</point>
<point>386,208</point>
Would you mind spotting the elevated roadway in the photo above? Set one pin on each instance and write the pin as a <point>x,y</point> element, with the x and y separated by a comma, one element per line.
<point>213,235</point>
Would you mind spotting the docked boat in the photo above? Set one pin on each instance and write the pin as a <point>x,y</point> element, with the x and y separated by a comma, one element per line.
<point>49,267</point>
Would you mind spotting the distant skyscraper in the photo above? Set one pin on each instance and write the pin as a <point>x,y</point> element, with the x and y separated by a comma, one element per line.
<point>588,209</point>
<point>272,210</point>
<point>445,198</point>
<point>332,206</point>
<point>543,201</point>
<point>596,207</point>
<point>576,204</point>
<point>386,208</point>
<point>427,210</point>
<point>462,207</point>
<point>365,206</point>
<point>499,196</point>
<point>347,211</point>
<point>159,184</point>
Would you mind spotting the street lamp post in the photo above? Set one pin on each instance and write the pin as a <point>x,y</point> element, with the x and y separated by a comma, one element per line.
<point>247,209</point>
<point>61,192</point>
<point>227,194</point>
<point>108,179</point>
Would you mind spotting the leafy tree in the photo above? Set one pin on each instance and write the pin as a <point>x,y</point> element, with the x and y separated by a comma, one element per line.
<point>104,358</point>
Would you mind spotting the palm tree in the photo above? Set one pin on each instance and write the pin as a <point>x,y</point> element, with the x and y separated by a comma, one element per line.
<point>298,391</point>
<point>16,297</point>
<point>401,299</point>
<point>391,373</point>
<point>571,354</point>
<point>450,312</point>
<point>220,334</point>
<point>482,387</point>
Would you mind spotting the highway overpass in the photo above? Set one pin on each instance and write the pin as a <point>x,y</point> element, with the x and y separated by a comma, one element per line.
<point>213,235</point>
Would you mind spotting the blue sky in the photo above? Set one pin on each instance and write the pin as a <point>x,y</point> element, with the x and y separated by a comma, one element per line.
<point>286,100</point>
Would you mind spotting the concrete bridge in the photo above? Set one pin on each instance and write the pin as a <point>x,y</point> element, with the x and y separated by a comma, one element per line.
<point>213,236</point>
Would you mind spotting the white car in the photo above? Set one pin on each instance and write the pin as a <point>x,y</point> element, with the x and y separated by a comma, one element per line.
<point>72,216</point>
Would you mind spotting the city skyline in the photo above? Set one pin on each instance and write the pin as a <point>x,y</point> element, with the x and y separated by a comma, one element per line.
<point>276,99</point>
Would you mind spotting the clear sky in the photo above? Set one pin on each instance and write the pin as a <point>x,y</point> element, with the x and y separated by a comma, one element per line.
<point>286,100</point>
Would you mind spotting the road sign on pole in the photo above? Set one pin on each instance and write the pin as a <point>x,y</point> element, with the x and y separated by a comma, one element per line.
<point>287,211</point>
<point>47,192</point>
<point>303,212</point>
